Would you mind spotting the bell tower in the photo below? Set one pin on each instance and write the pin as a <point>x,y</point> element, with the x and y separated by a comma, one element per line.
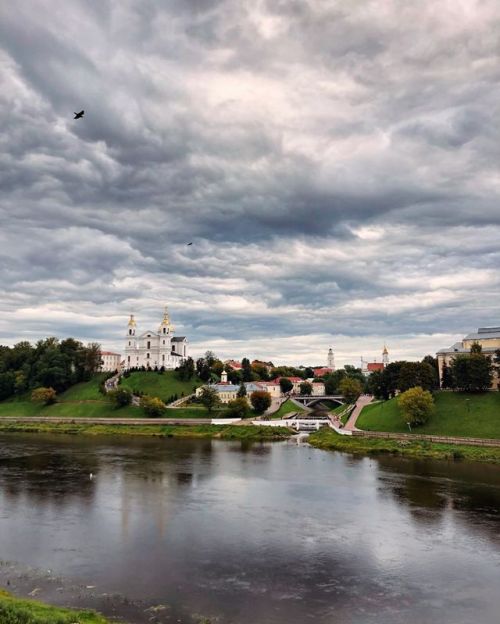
<point>131,327</point>
<point>385,356</point>
<point>166,328</point>
<point>330,359</point>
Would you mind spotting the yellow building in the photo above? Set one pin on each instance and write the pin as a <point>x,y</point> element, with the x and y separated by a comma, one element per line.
<point>487,337</point>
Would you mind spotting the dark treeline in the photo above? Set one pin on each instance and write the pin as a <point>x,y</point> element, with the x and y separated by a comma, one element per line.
<point>50,363</point>
<point>401,376</point>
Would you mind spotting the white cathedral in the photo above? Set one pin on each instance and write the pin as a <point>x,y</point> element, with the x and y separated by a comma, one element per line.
<point>154,348</point>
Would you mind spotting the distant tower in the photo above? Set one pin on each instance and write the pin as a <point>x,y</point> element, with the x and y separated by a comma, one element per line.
<point>131,326</point>
<point>166,328</point>
<point>331,359</point>
<point>385,356</point>
<point>223,377</point>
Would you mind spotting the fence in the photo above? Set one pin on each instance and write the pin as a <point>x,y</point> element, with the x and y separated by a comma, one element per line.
<point>427,438</point>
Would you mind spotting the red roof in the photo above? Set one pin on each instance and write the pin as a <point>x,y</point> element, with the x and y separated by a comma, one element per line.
<point>292,379</point>
<point>234,364</point>
<point>109,353</point>
<point>375,366</point>
<point>319,372</point>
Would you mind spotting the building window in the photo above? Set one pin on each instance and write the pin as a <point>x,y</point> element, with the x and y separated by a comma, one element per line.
<point>163,358</point>
<point>129,332</point>
<point>129,359</point>
<point>163,342</point>
<point>129,343</point>
<point>149,344</point>
<point>147,356</point>
<point>164,330</point>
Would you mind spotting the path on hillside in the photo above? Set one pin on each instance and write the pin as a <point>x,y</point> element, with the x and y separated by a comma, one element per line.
<point>363,400</point>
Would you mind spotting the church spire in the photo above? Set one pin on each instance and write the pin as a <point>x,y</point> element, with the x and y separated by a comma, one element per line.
<point>165,326</point>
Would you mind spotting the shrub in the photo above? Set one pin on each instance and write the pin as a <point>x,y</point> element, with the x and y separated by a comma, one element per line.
<point>153,406</point>
<point>350,389</point>
<point>238,408</point>
<point>120,397</point>
<point>47,396</point>
<point>416,405</point>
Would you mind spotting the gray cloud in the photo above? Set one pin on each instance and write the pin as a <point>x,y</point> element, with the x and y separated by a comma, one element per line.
<point>336,168</point>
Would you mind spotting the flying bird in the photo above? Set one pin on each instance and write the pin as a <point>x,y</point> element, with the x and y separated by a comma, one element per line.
<point>189,244</point>
<point>79,115</point>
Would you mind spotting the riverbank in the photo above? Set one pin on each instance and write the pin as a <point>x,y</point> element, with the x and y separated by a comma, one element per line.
<point>20,611</point>
<point>419,449</point>
<point>224,432</point>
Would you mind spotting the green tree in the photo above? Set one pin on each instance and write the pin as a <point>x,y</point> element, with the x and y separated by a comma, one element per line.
<point>447,381</point>
<point>209,398</point>
<point>7,385</point>
<point>285,385</point>
<point>476,348</point>
<point>472,373</point>
<point>120,397</point>
<point>332,381</point>
<point>238,408</point>
<point>153,406</point>
<point>47,396</point>
<point>186,370</point>
<point>416,405</point>
<point>261,401</point>
<point>413,374</point>
<point>350,389</point>
<point>376,385</point>
<point>242,391</point>
<point>247,373</point>
<point>306,388</point>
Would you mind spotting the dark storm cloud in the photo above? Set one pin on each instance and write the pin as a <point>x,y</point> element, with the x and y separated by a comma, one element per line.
<point>335,165</point>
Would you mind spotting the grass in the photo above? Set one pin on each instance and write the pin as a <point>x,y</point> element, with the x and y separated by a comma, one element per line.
<point>456,414</point>
<point>286,408</point>
<point>161,385</point>
<point>329,440</point>
<point>19,611</point>
<point>224,432</point>
<point>85,391</point>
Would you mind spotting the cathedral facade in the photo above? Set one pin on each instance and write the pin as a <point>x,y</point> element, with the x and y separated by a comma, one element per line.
<point>154,348</point>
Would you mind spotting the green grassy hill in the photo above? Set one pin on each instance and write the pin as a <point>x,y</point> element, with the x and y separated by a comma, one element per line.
<point>287,408</point>
<point>456,414</point>
<point>161,385</point>
<point>85,391</point>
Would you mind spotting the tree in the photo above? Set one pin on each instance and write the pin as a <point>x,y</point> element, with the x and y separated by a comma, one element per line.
<point>261,401</point>
<point>209,397</point>
<point>238,408</point>
<point>413,374</point>
<point>391,377</point>
<point>285,385</point>
<point>47,396</point>
<point>7,385</point>
<point>185,372</point>
<point>476,348</point>
<point>153,406</point>
<point>376,385</point>
<point>332,381</point>
<point>92,358</point>
<point>472,373</point>
<point>120,397</point>
<point>247,373</point>
<point>242,391</point>
<point>447,381</point>
<point>306,388</point>
<point>350,389</point>
<point>416,405</point>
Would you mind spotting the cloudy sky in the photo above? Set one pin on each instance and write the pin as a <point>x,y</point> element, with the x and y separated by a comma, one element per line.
<point>335,163</point>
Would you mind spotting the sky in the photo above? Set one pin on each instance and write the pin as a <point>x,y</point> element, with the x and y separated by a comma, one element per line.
<point>335,164</point>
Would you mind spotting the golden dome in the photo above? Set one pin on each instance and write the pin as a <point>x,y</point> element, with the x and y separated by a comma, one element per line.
<point>385,352</point>
<point>132,322</point>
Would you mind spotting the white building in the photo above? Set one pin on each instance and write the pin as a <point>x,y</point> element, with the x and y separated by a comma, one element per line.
<point>110,362</point>
<point>154,348</point>
<point>330,360</point>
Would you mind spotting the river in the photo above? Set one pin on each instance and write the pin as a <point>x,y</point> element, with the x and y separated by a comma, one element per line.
<point>165,530</point>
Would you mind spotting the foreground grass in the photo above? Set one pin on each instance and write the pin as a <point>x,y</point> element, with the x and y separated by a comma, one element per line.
<point>329,440</point>
<point>224,432</point>
<point>456,414</point>
<point>17,611</point>
<point>161,385</point>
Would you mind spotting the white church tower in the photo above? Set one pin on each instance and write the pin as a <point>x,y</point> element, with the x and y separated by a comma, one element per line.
<point>385,356</point>
<point>331,359</point>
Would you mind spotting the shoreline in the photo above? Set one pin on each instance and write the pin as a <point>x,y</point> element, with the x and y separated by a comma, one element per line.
<point>328,440</point>
<point>325,439</point>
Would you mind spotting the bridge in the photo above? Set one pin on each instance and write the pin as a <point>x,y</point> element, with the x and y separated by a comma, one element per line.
<point>309,400</point>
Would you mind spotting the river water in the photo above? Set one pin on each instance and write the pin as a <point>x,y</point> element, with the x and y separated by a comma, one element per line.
<point>248,533</point>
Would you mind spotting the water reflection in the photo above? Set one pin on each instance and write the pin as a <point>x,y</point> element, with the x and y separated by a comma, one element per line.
<point>257,532</point>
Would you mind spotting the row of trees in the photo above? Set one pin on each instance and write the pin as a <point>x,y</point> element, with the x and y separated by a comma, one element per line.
<point>472,372</point>
<point>49,363</point>
<point>401,376</point>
